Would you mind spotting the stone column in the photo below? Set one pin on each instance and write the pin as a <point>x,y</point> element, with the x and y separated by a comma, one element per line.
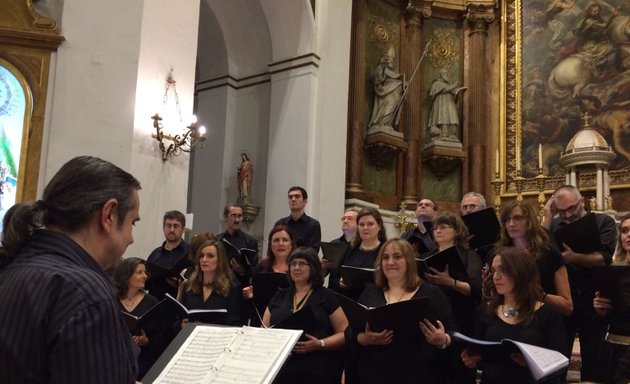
<point>357,105</point>
<point>480,14</point>
<point>601,203</point>
<point>411,117</point>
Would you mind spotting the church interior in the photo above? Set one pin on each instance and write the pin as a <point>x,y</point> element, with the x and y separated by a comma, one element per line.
<point>364,103</point>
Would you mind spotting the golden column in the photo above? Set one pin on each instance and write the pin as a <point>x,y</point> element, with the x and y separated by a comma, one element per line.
<point>479,15</point>
<point>411,117</point>
<point>356,107</point>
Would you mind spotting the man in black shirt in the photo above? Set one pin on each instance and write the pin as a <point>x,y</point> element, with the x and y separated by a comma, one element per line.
<point>306,231</point>
<point>240,247</point>
<point>60,318</point>
<point>566,206</point>
<point>348,226</point>
<point>420,237</point>
<point>167,261</point>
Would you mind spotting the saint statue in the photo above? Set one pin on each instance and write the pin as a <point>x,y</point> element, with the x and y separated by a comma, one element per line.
<point>244,176</point>
<point>444,119</point>
<point>388,90</point>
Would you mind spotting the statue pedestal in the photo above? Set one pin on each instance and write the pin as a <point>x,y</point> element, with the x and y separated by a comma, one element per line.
<point>383,145</point>
<point>250,211</point>
<point>443,156</point>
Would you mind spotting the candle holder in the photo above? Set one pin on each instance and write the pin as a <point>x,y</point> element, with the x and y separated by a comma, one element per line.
<point>518,183</point>
<point>402,224</point>
<point>497,185</point>
<point>540,183</point>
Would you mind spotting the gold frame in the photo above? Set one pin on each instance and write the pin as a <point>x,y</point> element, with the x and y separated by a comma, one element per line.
<point>511,112</point>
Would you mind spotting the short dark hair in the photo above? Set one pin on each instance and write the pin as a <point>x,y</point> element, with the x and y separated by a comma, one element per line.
<point>226,210</point>
<point>76,192</point>
<point>125,269</point>
<point>308,254</point>
<point>174,215</point>
<point>302,191</point>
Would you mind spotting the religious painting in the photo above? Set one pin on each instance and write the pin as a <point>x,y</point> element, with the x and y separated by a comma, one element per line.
<point>564,60</point>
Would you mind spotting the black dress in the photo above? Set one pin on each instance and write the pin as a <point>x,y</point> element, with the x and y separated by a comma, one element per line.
<point>232,302</point>
<point>545,330</point>
<point>323,367</point>
<point>402,362</point>
<point>152,350</point>
<point>355,257</point>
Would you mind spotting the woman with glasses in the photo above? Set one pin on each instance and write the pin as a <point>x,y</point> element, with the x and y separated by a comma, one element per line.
<point>317,358</point>
<point>462,292</point>
<point>365,247</point>
<point>618,337</point>
<point>522,230</point>
<point>380,357</point>
<point>515,312</point>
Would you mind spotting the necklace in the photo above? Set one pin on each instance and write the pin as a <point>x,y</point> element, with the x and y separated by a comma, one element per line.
<point>509,312</point>
<point>297,305</point>
<point>388,301</point>
<point>369,249</point>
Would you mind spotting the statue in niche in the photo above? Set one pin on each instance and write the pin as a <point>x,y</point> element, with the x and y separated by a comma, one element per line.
<point>444,119</point>
<point>244,174</point>
<point>388,90</point>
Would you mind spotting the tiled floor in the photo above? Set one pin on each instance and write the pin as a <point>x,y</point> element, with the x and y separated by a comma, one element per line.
<point>573,376</point>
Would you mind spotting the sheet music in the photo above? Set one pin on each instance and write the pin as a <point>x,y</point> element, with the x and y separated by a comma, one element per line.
<point>225,355</point>
<point>194,360</point>
<point>542,361</point>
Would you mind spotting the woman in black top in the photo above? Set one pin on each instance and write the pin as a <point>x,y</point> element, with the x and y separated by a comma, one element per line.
<point>618,335</point>
<point>515,312</point>
<point>365,247</point>
<point>522,230</point>
<point>129,278</point>
<point>378,356</point>
<point>317,358</point>
<point>211,285</point>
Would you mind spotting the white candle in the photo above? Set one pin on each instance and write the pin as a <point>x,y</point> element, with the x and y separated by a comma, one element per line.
<point>540,162</point>
<point>497,163</point>
<point>518,160</point>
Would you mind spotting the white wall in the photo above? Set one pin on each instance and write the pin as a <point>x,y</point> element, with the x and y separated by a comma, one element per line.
<point>107,81</point>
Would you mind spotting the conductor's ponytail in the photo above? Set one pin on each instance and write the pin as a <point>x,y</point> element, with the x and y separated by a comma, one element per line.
<point>18,224</point>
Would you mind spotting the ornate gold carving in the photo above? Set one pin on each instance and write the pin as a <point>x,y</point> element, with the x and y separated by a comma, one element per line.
<point>443,50</point>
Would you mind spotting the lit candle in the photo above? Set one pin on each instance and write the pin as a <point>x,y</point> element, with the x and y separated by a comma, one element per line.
<point>497,163</point>
<point>540,162</point>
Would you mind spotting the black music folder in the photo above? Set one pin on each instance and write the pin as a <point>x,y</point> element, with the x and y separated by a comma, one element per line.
<point>357,276</point>
<point>334,252</point>
<point>582,235</point>
<point>153,320</point>
<point>243,256</point>
<point>207,316</point>
<point>303,320</point>
<point>613,282</point>
<point>542,362</point>
<point>483,226</point>
<point>265,285</point>
<point>440,260</point>
<point>402,317</point>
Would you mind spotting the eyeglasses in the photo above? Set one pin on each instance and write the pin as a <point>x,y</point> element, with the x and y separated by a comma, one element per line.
<point>570,210</point>
<point>515,218</point>
<point>298,264</point>
<point>469,207</point>
<point>441,227</point>
<point>347,218</point>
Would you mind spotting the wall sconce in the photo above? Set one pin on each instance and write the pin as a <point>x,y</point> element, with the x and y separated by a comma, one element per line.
<point>179,143</point>
<point>184,142</point>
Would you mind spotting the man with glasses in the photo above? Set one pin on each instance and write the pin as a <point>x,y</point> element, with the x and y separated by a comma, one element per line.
<point>421,237</point>
<point>565,206</point>
<point>306,231</point>
<point>167,261</point>
<point>241,248</point>
<point>472,202</point>
<point>348,226</point>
